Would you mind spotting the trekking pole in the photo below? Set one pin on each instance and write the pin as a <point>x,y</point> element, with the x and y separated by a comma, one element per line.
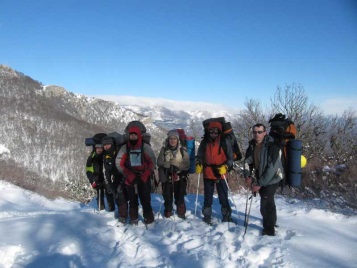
<point>173,192</point>
<point>230,194</point>
<point>198,186</point>
<point>246,207</point>
<point>248,214</point>
<point>100,198</point>
<point>159,212</point>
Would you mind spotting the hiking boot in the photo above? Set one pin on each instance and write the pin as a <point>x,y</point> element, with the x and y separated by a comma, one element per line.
<point>227,219</point>
<point>167,214</point>
<point>207,220</point>
<point>134,222</point>
<point>149,220</point>
<point>181,216</point>
<point>269,233</point>
<point>122,220</point>
<point>110,208</point>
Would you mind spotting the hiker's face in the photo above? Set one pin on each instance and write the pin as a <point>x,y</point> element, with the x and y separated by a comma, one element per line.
<point>107,146</point>
<point>133,136</point>
<point>258,134</point>
<point>99,150</point>
<point>213,133</point>
<point>173,141</point>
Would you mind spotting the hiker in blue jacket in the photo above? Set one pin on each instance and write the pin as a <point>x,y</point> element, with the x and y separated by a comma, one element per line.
<point>263,161</point>
<point>173,163</point>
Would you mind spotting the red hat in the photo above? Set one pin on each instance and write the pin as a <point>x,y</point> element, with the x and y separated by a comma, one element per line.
<point>215,125</point>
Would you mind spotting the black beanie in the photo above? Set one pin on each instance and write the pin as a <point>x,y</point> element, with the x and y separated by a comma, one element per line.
<point>107,140</point>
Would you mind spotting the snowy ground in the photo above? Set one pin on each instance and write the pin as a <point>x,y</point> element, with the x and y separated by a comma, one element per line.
<point>37,232</point>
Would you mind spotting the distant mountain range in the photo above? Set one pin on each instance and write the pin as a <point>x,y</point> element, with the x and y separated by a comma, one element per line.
<point>44,127</point>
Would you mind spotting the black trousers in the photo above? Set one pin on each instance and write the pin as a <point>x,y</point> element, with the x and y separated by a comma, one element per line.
<point>110,198</point>
<point>141,191</point>
<point>177,190</point>
<point>268,208</point>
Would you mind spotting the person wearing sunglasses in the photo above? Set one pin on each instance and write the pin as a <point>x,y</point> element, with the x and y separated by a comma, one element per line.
<point>214,158</point>
<point>263,161</point>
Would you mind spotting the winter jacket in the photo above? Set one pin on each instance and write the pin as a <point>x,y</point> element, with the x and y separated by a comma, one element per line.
<point>94,168</point>
<point>135,161</point>
<point>173,160</point>
<point>212,154</point>
<point>270,170</point>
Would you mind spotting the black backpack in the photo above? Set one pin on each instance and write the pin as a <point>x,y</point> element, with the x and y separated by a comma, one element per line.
<point>227,132</point>
<point>96,139</point>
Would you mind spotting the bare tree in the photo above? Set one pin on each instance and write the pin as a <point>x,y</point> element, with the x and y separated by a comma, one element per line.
<point>308,118</point>
<point>242,124</point>
<point>342,136</point>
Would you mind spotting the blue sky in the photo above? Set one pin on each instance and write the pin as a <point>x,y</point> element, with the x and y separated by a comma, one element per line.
<point>221,52</point>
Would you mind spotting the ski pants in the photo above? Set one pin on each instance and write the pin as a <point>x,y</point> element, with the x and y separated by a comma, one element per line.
<point>268,208</point>
<point>142,191</point>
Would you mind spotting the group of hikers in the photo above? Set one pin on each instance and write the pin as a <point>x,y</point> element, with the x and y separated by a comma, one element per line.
<point>123,173</point>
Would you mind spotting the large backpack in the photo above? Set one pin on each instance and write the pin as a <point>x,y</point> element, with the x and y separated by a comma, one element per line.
<point>227,132</point>
<point>283,130</point>
<point>96,139</point>
<point>117,138</point>
<point>189,143</point>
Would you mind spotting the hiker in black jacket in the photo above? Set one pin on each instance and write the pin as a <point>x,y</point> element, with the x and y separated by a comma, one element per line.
<point>114,181</point>
<point>263,161</point>
<point>173,163</point>
<point>94,171</point>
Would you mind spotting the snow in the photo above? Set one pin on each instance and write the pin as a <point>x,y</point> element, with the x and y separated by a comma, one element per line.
<point>38,232</point>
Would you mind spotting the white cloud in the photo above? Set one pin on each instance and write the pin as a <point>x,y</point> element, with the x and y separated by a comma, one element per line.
<point>171,104</point>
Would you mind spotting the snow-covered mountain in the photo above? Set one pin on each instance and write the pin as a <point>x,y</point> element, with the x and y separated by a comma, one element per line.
<point>44,128</point>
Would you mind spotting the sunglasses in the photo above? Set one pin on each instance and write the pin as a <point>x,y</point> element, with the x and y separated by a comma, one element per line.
<point>214,131</point>
<point>258,132</point>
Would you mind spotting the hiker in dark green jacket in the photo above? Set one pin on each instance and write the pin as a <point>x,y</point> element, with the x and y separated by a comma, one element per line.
<point>263,161</point>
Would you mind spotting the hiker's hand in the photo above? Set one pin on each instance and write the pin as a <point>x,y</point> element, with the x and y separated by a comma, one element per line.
<point>222,169</point>
<point>199,168</point>
<point>248,180</point>
<point>255,188</point>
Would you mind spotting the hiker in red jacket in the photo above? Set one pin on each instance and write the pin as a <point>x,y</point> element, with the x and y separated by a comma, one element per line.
<point>136,161</point>
<point>214,158</point>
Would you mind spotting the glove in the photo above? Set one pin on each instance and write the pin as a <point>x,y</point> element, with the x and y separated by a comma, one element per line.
<point>222,169</point>
<point>199,168</point>
<point>94,185</point>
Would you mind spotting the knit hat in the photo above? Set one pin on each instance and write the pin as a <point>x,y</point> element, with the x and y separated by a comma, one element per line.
<point>173,133</point>
<point>215,125</point>
<point>98,145</point>
<point>107,140</point>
